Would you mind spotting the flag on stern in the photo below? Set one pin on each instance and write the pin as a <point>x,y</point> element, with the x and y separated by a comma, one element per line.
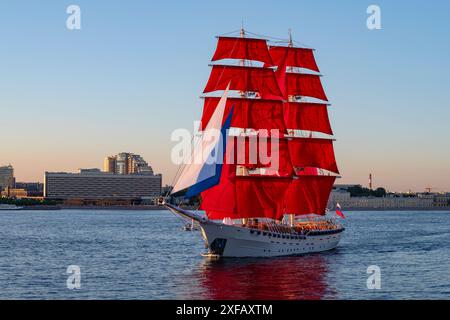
<point>338,211</point>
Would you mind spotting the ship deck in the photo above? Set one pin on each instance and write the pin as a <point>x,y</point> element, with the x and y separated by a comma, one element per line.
<point>299,228</point>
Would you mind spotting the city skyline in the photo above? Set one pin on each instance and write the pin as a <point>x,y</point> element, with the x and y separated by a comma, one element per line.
<point>72,97</point>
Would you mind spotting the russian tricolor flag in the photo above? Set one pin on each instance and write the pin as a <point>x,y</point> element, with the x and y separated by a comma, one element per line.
<point>338,211</point>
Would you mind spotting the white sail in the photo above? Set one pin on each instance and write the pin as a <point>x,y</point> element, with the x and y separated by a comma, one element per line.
<point>206,153</point>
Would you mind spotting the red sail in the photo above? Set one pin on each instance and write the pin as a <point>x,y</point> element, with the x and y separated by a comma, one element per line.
<point>296,57</point>
<point>280,75</point>
<point>309,194</point>
<point>311,152</point>
<point>240,78</point>
<point>266,192</point>
<point>245,197</point>
<point>257,152</point>
<point>309,85</point>
<point>242,48</point>
<point>248,113</point>
<point>308,171</point>
<point>307,116</point>
<point>261,197</point>
<point>220,201</point>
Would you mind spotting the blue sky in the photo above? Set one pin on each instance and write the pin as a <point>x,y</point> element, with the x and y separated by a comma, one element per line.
<point>135,70</point>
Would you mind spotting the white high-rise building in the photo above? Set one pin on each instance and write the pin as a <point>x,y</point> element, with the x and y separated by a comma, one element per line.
<point>6,177</point>
<point>127,163</point>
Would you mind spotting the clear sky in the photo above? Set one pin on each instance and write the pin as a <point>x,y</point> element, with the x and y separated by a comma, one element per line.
<point>135,70</point>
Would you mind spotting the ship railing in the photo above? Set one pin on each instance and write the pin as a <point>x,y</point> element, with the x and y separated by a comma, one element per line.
<point>300,228</point>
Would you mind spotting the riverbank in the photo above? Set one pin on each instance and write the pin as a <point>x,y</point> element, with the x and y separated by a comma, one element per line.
<point>138,208</point>
<point>40,208</point>
<point>66,207</point>
<point>399,209</point>
<point>156,207</point>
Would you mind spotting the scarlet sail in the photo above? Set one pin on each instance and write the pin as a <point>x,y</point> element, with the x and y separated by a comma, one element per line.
<point>309,85</point>
<point>267,197</point>
<point>295,57</point>
<point>248,113</point>
<point>307,116</point>
<point>310,152</point>
<point>263,152</point>
<point>242,78</point>
<point>308,194</point>
<point>261,197</point>
<point>281,176</point>
<point>242,48</point>
<point>220,200</point>
<point>246,197</point>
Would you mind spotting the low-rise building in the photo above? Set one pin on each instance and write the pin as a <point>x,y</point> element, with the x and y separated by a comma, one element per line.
<point>33,189</point>
<point>93,186</point>
<point>442,200</point>
<point>14,193</point>
<point>391,201</point>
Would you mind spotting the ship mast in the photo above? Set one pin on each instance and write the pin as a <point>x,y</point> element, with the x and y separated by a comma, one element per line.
<point>306,171</point>
<point>291,216</point>
<point>242,170</point>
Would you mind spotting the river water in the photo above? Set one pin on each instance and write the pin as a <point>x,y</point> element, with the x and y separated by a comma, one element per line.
<point>145,255</point>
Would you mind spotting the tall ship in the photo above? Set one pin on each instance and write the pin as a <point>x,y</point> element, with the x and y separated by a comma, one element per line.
<point>263,165</point>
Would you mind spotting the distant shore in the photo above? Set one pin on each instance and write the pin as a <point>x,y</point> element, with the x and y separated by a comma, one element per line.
<point>399,209</point>
<point>39,207</point>
<point>65,207</point>
<point>156,207</point>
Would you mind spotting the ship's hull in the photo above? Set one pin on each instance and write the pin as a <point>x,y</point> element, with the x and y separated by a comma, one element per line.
<point>234,241</point>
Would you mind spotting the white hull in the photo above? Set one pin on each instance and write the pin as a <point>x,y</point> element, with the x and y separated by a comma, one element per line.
<point>243,242</point>
<point>235,241</point>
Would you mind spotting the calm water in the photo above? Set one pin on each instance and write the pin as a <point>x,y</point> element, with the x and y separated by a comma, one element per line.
<point>144,255</point>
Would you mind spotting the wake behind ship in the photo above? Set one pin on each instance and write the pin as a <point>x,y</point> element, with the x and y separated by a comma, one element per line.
<point>265,180</point>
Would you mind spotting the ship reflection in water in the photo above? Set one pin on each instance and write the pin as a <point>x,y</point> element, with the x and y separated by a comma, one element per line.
<point>301,277</point>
